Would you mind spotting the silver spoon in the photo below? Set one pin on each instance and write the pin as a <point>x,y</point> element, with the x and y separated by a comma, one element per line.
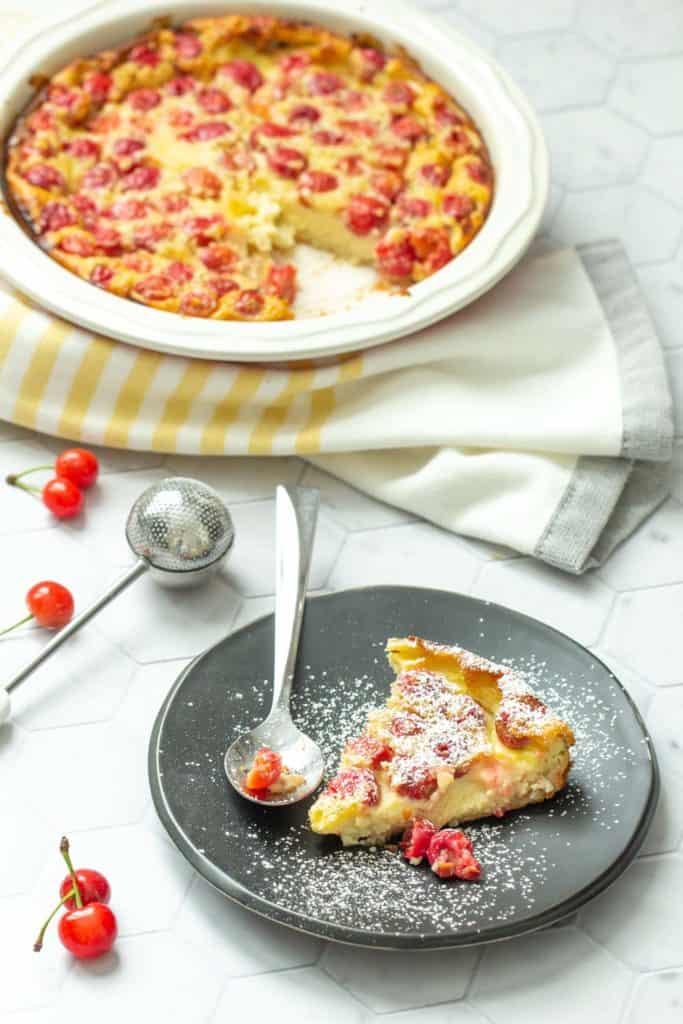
<point>296,514</point>
<point>180,531</point>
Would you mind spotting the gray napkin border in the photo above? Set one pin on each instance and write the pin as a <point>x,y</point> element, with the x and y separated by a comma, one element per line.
<point>607,498</point>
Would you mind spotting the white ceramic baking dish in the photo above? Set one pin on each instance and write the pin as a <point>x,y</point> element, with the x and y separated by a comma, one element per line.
<point>504,116</point>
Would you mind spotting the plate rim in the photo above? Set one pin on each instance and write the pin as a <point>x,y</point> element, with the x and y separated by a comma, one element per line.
<point>413,941</point>
<point>512,129</point>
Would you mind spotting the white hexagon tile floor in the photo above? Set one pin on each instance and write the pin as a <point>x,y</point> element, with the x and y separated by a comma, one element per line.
<point>605,78</point>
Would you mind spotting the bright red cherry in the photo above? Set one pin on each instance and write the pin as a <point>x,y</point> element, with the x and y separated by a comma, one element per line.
<point>93,887</point>
<point>78,465</point>
<point>89,931</point>
<point>50,604</point>
<point>63,498</point>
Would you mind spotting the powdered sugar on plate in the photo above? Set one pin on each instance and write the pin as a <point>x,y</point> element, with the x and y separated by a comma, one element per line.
<point>371,889</point>
<point>538,864</point>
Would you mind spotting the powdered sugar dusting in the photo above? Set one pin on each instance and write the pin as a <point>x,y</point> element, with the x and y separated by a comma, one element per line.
<point>375,890</point>
<point>536,862</point>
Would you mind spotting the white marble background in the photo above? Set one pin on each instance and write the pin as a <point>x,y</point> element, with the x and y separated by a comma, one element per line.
<point>607,78</point>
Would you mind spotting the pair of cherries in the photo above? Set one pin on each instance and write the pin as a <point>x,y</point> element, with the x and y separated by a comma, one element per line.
<point>76,470</point>
<point>88,929</point>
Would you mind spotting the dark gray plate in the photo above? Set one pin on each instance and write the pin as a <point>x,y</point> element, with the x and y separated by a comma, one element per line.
<point>539,864</point>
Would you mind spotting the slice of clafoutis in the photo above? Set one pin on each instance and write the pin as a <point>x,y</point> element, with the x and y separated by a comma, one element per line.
<point>459,738</point>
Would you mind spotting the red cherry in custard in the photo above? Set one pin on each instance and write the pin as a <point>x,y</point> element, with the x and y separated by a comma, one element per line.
<point>92,885</point>
<point>50,604</point>
<point>78,465</point>
<point>63,498</point>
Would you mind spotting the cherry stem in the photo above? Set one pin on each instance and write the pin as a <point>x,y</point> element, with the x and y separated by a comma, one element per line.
<point>13,480</point>
<point>38,944</point>
<point>25,472</point>
<point>8,629</point>
<point>64,850</point>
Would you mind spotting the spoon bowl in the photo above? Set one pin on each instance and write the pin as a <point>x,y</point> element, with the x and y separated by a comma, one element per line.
<point>298,751</point>
<point>296,514</point>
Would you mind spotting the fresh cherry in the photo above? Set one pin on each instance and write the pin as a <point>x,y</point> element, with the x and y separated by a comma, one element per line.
<point>63,498</point>
<point>78,465</point>
<point>49,603</point>
<point>76,469</point>
<point>93,887</point>
<point>88,929</point>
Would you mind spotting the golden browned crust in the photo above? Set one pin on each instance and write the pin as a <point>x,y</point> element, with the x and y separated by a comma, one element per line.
<point>459,738</point>
<point>520,717</point>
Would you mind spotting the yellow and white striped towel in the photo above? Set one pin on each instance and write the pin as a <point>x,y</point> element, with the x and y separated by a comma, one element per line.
<point>518,420</point>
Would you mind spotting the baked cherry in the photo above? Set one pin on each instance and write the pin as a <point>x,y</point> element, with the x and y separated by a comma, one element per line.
<point>144,99</point>
<point>45,176</point>
<point>395,259</point>
<point>265,770</point>
<point>198,304</point>
<point>416,782</point>
<point>281,281</point>
<point>398,93</point>
<point>407,128</point>
<point>450,855</point>
<point>249,302</point>
<point>187,45</point>
<point>371,61</point>
<point>213,101</point>
<point>317,181</point>
<point>304,113</point>
<point>355,784</point>
<point>54,216</point>
<point>365,214</point>
<point>458,206</point>
<point>416,840</point>
<point>436,174</point>
<point>244,73</point>
<point>98,85</point>
<point>412,207</point>
<point>368,752</point>
<point>479,172</point>
<point>324,83</point>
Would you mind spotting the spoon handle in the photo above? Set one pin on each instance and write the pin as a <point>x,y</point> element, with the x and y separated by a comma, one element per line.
<point>132,574</point>
<point>296,515</point>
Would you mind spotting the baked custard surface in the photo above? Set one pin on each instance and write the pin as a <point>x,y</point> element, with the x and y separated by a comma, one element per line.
<point>459,738</point>
<point>180,170</point>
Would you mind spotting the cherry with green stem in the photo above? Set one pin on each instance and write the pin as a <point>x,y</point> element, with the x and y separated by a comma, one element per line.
<point>88,929</point>
<point>64,850</point>
<point>76,469</point>
<point>38,944</point>
<point>51,605</point>
<point>74,893</point>
<point>63,498</point>
<point>78,465</point>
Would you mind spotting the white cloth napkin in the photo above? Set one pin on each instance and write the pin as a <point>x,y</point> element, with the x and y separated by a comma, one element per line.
<point>553,394</point>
